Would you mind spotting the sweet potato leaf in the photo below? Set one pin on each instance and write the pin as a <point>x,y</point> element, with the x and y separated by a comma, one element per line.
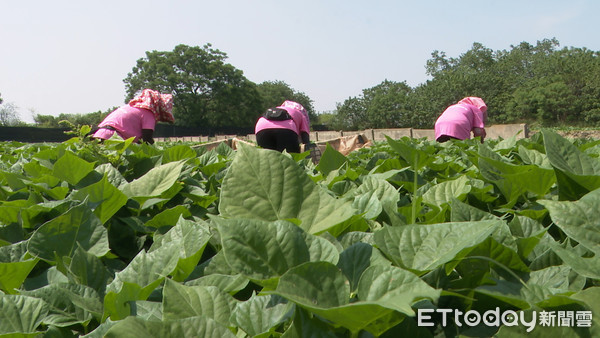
<point>267,185</point>
<point>422,248</point>
<point>61,236</point>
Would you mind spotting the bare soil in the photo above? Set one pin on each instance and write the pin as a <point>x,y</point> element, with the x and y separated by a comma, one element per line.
<point>576,134</point>
<point>586,134</point>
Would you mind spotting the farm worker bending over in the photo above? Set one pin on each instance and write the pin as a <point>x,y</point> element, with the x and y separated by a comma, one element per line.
<point>283,127</point>
<point>138,118</point>
<point>458,120</point>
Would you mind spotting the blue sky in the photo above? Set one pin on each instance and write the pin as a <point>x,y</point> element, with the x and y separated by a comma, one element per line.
<point>72,56</point>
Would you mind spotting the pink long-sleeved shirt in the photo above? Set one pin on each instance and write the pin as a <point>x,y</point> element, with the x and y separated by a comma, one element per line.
<point>458,120</point>
<point>298,123</point>
<point>128,121</point>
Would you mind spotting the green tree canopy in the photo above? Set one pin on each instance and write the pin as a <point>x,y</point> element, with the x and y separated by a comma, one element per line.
<point>352,114</point>
<point>387,104</point>
<point>384,106</point>
<point>206,90</point>
<point>51,121</point>
<point>528,83</point>
<point>273,93</point>
<point>9,114</point>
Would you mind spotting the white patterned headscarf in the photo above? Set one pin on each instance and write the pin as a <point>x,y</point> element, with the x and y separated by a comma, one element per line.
<point>161,105</point>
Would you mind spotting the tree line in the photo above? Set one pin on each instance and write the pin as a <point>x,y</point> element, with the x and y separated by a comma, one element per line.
<point>9,115</point>
<point>207,91</point>
<point>541,84</point>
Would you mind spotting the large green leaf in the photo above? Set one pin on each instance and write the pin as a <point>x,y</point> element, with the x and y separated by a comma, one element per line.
<point>70,304</point>
<point>146,271</point>
<point>32,216</point>
<point>35,169</point>
<point>148,310</point>
<point>180,301</point>
<point>168,217</point>
<point>591,296</point>
<point>356,259</point>
<point>265,250</point>
<point>15,265</point>
<point>368,204</point>
<point>187,327</point>
<point>154,182</point>
<point>21,315</point>
<point>585,266</point>
<point>87,269</point>
<point>526,296</point>
<point>177,153</point>
<point>579,220</point>
<point>331,160</point>
<point>376,195</point>
<point>211,163</point>
<point>545,288</point>
<point>577,173</point>
<point>260,315</point>
<point>112,174</point>
<point>463,212</point>
<point>60,236</point>
<point>514,180</point>
<point>305,324</point>
<point>103,198</point>
<point>422,248</point>
<point>321,288</point>
<point>190,238</point>
<point>71,168</point>
<point>415,157</point>
<point>527,234</point>
<point>565,156</point>
<point>403,177</point>
<point>394,288</point>
<point>10,211</point>
<point>557,278</point>
<point>532,156</point>
<point>50,186</point>
<point>515,294</point>
<point>226,283</point>
<point>268,185</point>
<point>446,191</point>
<point>14,181</point>
<point>476,264</point>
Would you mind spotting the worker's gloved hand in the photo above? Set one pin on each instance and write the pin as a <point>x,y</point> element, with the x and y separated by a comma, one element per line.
<point>315,152</point>
<point>479,132</point>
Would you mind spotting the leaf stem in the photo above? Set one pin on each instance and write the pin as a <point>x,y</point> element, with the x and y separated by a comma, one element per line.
<point>413,214</point>
<point>504,267</point>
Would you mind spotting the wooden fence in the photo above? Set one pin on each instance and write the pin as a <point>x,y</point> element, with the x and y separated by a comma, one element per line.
<point>493,132</point>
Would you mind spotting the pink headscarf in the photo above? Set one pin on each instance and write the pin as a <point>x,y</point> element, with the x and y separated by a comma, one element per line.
<point>297,106</point>
<point>161,105</point>
<point>475,101</point>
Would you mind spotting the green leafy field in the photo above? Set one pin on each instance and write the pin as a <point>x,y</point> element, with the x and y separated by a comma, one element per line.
<point>123,239</point>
